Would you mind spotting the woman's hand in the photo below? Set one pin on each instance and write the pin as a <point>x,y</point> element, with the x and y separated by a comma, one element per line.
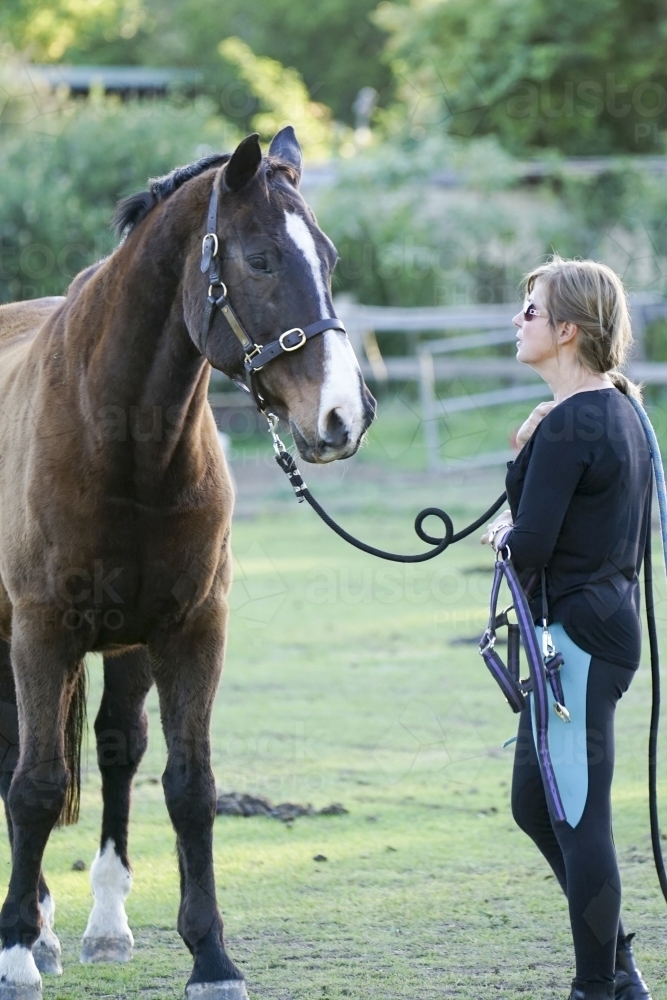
<point>528,428</point>
<point>503,520</point>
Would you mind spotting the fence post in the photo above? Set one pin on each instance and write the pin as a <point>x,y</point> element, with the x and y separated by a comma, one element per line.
<point>374,356</point>
<point>428,402</point>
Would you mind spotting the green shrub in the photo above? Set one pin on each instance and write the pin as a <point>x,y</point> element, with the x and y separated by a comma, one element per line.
<point>64,168</point>
<point>405,241</point>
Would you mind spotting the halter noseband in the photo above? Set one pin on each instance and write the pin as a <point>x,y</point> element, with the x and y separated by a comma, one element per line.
<point>255,356</point>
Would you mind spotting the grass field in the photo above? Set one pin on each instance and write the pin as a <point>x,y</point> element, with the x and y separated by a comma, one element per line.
<point>396,439</point>
<point>345,683</point>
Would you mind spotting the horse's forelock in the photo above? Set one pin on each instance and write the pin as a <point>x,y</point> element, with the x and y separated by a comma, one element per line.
<point>281,169</point>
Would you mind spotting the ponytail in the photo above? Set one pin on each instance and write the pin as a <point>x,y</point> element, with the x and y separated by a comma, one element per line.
<point>625,385</point>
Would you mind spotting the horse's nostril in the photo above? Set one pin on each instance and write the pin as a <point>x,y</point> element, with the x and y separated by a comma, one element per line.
<point>336,433</point>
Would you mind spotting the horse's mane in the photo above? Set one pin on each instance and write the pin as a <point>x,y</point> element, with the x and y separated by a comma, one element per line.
<point>130,211</point>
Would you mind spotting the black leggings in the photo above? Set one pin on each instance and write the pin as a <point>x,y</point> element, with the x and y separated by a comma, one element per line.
<point>582,857</point>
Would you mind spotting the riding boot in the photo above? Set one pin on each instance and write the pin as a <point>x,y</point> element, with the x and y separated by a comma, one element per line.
<point>629,984</point>
<point>591,991</point>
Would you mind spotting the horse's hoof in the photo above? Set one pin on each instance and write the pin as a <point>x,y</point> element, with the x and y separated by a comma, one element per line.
<point>19,991</point>
<point>229,989</point>
<point>105,949</point>
<point>47,959</point>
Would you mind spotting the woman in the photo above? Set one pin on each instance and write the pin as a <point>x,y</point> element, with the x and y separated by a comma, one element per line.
<point>579,495</point>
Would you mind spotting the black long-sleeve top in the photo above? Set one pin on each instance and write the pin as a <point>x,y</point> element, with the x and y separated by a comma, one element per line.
<point>579,492</point>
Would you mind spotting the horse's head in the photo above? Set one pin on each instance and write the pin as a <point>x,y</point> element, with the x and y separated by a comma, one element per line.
<point>276,264</point>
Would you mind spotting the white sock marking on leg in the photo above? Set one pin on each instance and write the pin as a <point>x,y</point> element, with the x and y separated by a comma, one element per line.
<point>17,966</point>
<point>111,883</point>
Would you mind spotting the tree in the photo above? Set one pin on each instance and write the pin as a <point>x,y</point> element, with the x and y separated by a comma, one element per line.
<point>584,78</point>
<point>282,99</point>
<point>332,43</point>
<point>47,32</point>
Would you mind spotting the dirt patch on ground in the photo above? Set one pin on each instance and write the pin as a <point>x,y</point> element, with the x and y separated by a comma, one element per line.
<point>238,804</point>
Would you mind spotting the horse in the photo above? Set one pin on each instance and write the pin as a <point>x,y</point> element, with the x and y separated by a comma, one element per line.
<point>115,513</point>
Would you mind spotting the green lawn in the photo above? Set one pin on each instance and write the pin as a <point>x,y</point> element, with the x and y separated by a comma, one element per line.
<point>342,684</point>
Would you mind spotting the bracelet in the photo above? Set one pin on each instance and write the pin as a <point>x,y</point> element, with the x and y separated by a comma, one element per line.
<point>501,527</point>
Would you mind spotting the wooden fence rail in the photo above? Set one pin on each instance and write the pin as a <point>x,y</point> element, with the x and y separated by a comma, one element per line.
<point>431,359</point>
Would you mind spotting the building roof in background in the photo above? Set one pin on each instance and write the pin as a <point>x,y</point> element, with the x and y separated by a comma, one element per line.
<point>137,80</point>
<point>116,79</point>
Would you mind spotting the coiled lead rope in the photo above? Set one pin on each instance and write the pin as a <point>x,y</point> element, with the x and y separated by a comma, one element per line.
<point>289,467</point>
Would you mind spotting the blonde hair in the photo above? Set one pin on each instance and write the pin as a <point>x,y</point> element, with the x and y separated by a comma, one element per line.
<point>591,296</point>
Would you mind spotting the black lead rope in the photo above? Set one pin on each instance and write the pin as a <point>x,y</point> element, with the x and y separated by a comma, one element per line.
<point>289,467</point>
<point>440,543</point>
<point>655,716</point>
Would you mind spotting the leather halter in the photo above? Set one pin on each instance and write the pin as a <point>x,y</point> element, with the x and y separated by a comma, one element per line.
<point>255,356</point>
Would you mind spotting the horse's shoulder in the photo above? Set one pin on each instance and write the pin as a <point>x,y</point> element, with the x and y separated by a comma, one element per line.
<point>21,319</point>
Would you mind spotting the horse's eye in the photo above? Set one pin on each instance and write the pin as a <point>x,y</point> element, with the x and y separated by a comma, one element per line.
<point>258,263</point>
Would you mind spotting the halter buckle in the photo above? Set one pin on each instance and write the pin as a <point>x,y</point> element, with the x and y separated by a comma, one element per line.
<point>218,284</point>
<point>249,355</point>
<point>296,329</point>
<point>205,248</point>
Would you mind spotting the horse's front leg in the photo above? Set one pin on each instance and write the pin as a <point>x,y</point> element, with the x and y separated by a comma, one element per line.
<point>46,949</point>
<point>47,672</point>
<point>121,730</point>
<point>187,670</point>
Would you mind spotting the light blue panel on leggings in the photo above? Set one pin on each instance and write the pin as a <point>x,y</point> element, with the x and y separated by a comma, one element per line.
<point>567,740</point>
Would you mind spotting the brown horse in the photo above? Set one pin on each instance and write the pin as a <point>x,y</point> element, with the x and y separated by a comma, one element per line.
<point>115,512</point>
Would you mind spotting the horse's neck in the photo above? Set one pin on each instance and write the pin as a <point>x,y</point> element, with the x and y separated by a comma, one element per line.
<point>143,384</point>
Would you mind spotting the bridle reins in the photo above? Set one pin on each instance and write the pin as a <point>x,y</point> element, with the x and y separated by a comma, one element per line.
<point>255,356</point>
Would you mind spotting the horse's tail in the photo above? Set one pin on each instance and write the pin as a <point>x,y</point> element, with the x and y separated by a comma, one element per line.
<point>75,727</point>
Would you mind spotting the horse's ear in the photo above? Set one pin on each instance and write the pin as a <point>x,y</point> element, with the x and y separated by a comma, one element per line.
<point>243,165</point>
<point>285,147</point>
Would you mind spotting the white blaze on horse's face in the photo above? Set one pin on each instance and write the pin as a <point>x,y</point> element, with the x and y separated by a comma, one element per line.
<point>340,422</point>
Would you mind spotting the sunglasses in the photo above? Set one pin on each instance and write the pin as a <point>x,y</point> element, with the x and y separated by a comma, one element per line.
<point>530,311</point>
